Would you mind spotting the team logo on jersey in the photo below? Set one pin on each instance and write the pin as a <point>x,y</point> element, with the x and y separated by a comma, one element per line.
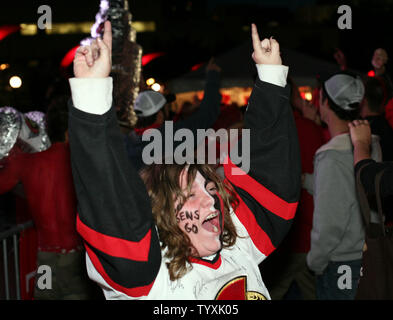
<point>236,289</point>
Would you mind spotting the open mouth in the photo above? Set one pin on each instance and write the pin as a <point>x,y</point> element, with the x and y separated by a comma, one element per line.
<point>212,223</point>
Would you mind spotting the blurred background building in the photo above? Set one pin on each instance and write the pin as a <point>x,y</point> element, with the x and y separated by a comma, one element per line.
<point>178,36</point>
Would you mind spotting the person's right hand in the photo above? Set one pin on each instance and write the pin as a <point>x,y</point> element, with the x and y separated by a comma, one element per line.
<point>95,60</point>
<point>360,132</point>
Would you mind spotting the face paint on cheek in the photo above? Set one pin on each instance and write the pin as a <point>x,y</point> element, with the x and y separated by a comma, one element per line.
<point>219,206</point>
<point>181,216</point>
<point>193,228</point>
<point>179,206</point>
<point>191,215</point>
<point>188,216</point>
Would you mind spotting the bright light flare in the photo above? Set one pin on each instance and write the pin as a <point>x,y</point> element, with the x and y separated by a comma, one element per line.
<point>371,73</point>
<point>147,58</point>
<point>15,82</point>
<point>308,96</point>
<point>69,57</point>
<point>156,87</point>
<point>150,81</point>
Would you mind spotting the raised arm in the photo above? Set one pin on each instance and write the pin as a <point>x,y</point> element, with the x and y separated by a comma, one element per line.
<point>209,108</point>
<point>269,192</point>
<point>361,139</point>
<point>207,112</point>
<point>114,209</point>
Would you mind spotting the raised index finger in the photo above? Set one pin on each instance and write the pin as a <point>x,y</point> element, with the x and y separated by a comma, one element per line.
<point>256,42</point>
<point>107,38</point>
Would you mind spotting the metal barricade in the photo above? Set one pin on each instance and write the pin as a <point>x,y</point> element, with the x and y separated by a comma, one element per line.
<point>5,236</point>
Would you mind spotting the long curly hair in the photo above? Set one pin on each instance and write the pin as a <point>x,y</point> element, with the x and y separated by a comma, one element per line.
<point>163,185</point>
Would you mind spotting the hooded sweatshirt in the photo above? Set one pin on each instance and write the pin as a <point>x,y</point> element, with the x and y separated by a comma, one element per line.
<point>338,232</point>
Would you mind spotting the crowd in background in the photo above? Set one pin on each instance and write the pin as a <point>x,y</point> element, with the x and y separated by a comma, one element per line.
<point>328,230</point>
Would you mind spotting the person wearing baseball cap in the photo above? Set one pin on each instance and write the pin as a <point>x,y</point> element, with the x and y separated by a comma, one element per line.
<point>337,235</point>
<point>148,108</point>
<point>148,103</point>
<point>342,94</point>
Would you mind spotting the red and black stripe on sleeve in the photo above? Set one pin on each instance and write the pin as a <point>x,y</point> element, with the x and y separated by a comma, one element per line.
<point>112,265</point>
<point>269,192</point>
<point>115,216</point>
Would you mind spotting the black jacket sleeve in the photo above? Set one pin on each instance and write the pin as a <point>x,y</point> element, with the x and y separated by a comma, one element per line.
<point>114,210</point>
<point>269,192</point>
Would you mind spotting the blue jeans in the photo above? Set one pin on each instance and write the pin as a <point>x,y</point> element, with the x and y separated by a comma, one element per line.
<point>339,281</point>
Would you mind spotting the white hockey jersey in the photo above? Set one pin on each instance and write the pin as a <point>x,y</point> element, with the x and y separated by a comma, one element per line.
<point>234,275</point>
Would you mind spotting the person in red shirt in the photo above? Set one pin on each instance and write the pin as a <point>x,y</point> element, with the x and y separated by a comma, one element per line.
<point>48,186</point>
<point>389,112</point>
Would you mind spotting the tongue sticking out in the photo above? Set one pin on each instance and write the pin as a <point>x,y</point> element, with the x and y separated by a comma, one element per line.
<point>212,225</point>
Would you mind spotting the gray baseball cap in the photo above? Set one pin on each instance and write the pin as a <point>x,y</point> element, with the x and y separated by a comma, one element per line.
<point>148,103</point>
<point>345,90</point>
